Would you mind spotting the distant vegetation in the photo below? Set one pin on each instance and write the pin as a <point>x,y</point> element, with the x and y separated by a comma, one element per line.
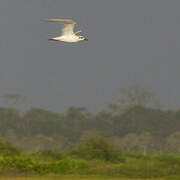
<point>133,123</point>
<point>133,137</point>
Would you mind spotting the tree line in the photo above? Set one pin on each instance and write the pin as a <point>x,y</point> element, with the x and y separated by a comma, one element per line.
<point>133,123</point>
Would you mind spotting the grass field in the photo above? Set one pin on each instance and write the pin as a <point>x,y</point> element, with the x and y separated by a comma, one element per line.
<point>68,178</point>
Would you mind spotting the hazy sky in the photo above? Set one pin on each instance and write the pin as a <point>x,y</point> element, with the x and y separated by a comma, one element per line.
<point>131,42</point>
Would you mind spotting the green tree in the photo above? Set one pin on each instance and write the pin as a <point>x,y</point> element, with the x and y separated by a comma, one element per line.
<point>77,121</point>
<point>39,121</point>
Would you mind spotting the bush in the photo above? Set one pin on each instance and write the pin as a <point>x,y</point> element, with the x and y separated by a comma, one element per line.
<point>25,165</point>
<point>98,148</point>
<point>49,155</point>
<point>7,149</point>
<point>168,159</point>
<point>20,164</point>
<point>69,166</point>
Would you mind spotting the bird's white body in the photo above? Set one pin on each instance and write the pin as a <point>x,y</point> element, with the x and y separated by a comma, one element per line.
<point>70,39</point>
<point>67,34</point>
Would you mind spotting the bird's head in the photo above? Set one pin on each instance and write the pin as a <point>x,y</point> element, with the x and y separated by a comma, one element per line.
<point>82,38</point>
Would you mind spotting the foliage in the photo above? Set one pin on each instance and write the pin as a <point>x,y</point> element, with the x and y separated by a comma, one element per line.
<point>49,155</point>
<point>151,130</point>
<point>7,149</point>
<point>26,165</point>
<point>95,156</point>
<point>98,148</point>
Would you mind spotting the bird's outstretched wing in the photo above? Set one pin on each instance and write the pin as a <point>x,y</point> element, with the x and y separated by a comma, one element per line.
<point>68,25</point>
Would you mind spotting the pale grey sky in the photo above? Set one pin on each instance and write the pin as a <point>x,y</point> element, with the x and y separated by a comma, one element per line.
<point>130,42</point>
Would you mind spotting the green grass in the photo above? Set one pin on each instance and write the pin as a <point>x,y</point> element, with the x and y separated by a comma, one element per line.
<point>68,178</point>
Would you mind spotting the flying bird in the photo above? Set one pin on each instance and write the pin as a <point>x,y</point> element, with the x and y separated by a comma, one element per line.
<point>67,33</point>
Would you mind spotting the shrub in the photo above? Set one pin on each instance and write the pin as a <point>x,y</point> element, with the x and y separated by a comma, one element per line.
<point>168,159</point>
<point>25,165</point>
<point>20,164</point>
<point>98,148</point>
<point>7,149</point>
<point>49,155</point>
<point>70,166</point>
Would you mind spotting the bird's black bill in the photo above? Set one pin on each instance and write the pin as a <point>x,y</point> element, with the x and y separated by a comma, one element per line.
<point>86,39</point>
<point>51,39</point>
